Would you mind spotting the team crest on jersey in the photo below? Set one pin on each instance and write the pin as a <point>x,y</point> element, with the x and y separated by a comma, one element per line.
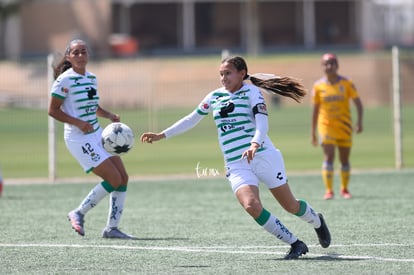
<point>341,89</point>
<point>93,79</point>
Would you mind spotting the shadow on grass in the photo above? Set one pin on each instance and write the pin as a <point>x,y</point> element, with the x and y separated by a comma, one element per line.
<point>332,257</point>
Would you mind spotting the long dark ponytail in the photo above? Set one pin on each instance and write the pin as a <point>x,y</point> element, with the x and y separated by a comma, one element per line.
<point>61,67</point>
<point>280,85</point>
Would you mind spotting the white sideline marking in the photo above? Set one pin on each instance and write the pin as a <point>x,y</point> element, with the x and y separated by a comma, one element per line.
<point>187,176</point>
<point>227,249</point>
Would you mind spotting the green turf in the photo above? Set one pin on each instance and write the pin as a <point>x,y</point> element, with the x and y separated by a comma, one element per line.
<point>196,226</point>
<point>24,153</point>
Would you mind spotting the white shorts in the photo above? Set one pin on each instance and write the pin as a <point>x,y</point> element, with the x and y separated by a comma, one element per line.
<point>267,167</point>
<point>87,149</point>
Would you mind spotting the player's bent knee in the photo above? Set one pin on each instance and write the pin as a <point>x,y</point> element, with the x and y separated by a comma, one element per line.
<point>292,207</point>
<point>125,179</point>
<point>254,208</point>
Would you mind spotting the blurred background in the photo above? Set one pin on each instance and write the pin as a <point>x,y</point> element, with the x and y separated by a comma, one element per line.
<point>157,54</point>
<point>133,42</point>
<point>32,28</point>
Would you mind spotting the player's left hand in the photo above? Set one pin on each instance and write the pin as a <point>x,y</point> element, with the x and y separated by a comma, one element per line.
<point>250,153</point>
<point>358,128</point>
<point>115,118</point>
<point>150,137</point>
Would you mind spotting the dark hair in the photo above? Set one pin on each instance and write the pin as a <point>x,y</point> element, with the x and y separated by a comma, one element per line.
<point>61,67</point>
<point>281,85</point>
<point>63,64</point>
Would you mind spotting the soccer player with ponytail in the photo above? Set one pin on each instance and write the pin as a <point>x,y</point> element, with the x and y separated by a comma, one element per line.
<point>75,102</point>
<point>240,114</point>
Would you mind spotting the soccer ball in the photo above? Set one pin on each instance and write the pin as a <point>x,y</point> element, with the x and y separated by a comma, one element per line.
<point>117,138</point>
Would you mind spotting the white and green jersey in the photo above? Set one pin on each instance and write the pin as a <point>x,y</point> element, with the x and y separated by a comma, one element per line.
<point>240,118</point>
<point>80,95</point>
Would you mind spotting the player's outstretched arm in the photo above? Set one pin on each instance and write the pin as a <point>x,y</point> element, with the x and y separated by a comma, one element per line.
<point>150,137</point>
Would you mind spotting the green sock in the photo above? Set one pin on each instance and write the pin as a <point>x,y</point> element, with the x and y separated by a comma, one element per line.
<point>263,218</point>
<point>108,187</point>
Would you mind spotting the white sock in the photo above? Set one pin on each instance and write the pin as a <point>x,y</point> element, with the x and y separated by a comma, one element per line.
<point>309,215</point>
<point>116,206</point>
<point>275,227</point>
<point>92,199</point>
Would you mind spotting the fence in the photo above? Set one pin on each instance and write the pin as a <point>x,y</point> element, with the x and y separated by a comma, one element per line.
<point>154,84</point>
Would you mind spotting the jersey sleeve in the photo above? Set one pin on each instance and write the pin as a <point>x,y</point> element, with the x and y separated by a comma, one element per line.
<point>315,94</point>
<point>262,127</point>
<point>60,88</point>
<point>204,108</point>
<point>188,122</point>
<point>183,125</point>
<point>353,93</point>
<point>260,114</point>
<point>257,102</point>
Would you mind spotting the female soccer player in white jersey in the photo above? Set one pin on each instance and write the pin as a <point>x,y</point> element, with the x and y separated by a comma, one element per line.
<point>240,114</point>
<point>75,102</point>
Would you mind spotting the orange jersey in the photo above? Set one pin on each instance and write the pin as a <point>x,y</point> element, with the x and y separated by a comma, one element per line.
<point>334,120</point>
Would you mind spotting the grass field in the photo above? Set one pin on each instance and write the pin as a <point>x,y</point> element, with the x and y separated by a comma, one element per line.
<point>24,153</point>
<point>196,226</point>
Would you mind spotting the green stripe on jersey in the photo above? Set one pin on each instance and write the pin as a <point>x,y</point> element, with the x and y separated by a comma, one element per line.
<point>236,138</point>
<point>246,145</point>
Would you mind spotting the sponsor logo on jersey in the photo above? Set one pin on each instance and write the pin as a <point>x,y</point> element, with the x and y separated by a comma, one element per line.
<point>334,98</point>
<point>230,127</point>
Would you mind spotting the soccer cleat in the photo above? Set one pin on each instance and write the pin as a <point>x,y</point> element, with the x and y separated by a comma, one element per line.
<point>115,233</point>
<point>323,233</point>
<point>297,249</point>
<point>328,195</point>
<point>76,220</point>
<point>345,194</point>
